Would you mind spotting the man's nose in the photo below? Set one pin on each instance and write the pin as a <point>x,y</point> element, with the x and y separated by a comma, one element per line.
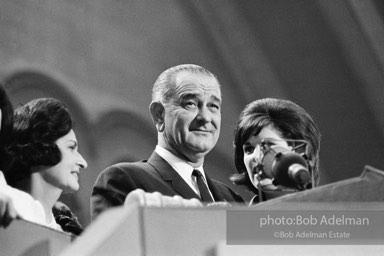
<point>204,114</point>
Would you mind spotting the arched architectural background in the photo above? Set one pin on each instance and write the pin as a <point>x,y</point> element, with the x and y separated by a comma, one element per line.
<point>102,57</point>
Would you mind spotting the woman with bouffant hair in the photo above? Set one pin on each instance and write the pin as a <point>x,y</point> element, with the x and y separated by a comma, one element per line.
<point>46,161</point>
<point>279,123</point>
<point>37,125</point>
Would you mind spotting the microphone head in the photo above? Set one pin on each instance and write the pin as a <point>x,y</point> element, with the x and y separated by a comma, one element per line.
<point>286,167</point>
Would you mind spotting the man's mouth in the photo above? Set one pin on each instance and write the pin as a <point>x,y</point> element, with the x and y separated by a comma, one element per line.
<point>201,130</point>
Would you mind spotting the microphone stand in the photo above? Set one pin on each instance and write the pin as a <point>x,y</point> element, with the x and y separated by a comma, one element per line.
<point>258,177</point>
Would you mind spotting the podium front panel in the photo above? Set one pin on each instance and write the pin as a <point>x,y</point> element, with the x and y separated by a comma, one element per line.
<point>22,238</point>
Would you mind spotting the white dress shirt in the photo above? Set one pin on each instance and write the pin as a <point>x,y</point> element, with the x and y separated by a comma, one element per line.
<point>182,168</point>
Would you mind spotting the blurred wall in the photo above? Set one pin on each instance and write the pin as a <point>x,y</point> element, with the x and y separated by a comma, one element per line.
<point>102,57</point>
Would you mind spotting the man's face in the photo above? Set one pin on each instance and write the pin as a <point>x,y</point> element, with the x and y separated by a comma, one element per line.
<point>192,116</point>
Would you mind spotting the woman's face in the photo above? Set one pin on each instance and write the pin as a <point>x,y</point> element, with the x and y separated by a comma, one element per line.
<point>65,174</point>
<point>253,153</point>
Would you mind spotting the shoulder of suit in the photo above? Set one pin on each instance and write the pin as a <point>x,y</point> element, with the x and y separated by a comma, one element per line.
<point>226,187</point>
<point>222,185</point>
<point>128,167</point>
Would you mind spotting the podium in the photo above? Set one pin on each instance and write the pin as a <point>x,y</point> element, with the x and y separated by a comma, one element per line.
<point>137,230</point>
<point>368,187</point>
<point>23,238</point>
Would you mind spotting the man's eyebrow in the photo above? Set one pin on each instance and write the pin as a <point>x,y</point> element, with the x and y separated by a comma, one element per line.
<point>215,98</point>
<point>186,96</point>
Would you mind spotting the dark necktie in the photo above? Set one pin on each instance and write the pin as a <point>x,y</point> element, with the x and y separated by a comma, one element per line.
<point>203,188</point>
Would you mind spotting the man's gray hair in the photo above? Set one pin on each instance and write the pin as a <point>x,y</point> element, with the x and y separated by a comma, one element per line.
<point>163,89</point>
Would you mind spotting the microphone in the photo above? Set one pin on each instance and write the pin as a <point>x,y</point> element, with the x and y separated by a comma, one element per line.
<point>286,167</point>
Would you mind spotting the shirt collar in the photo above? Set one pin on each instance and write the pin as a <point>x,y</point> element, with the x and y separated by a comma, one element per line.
<point>181,166</point>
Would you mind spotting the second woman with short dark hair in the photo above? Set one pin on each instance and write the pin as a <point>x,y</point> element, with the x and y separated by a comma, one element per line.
<point>46,158</point>
<point>277,122</point>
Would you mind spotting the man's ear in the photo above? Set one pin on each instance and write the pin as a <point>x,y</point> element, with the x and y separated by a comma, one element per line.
<point>157,111</point>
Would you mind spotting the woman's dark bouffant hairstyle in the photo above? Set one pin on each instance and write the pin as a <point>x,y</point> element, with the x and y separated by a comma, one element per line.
<point>6,127</point>
<point>287,117</point>
<point>37,125</point>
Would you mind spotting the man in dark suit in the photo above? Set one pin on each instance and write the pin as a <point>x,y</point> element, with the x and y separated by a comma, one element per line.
<point>186,110</point>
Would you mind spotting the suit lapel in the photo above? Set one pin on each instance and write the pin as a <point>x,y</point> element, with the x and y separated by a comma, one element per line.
<point>171,177</point>
<point>217,195</point>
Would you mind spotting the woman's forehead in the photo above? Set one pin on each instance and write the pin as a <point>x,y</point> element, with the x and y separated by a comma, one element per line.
<point>267,132</point>
<point>70,136</point>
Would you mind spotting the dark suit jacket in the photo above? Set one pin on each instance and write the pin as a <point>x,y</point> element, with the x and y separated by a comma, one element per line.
<point>115,182</point>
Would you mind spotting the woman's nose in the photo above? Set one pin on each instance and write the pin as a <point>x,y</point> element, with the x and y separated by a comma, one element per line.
<point>82,163</point>
<point>256,153</point>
